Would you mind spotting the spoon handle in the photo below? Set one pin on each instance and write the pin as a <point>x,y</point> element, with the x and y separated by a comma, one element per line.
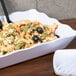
<point>5,11</point>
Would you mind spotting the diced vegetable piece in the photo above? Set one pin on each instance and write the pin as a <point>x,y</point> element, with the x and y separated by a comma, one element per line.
<point>1,41</point>
<point>19,45</point>
<point>1,33</point>
<point>25,28</point>
<point>22,25</point>
<point>11,27</point>
<point>43,36</point>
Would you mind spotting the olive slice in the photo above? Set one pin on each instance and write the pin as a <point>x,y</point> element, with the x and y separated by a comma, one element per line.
<point>39,30</point>
<point>35,38</point>
<point>57,36</point>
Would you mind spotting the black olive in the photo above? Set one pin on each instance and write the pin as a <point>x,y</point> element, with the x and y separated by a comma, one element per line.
<point>39,30</point>
<point>35,38</point>
<point>57,36</point>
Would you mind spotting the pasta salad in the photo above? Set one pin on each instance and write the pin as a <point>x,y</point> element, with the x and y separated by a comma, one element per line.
<point>24,34</point>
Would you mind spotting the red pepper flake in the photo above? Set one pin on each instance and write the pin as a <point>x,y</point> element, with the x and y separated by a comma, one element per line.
<point>31,23</point>
<point>41,41</point>
<point>31,32</point>
<point>22,25</point>
<point>17,32</point>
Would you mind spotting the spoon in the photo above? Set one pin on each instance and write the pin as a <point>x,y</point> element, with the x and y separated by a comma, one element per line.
<point>5,11</point>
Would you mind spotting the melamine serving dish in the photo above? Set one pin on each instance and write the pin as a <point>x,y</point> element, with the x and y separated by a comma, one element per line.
<point>66,33</point>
